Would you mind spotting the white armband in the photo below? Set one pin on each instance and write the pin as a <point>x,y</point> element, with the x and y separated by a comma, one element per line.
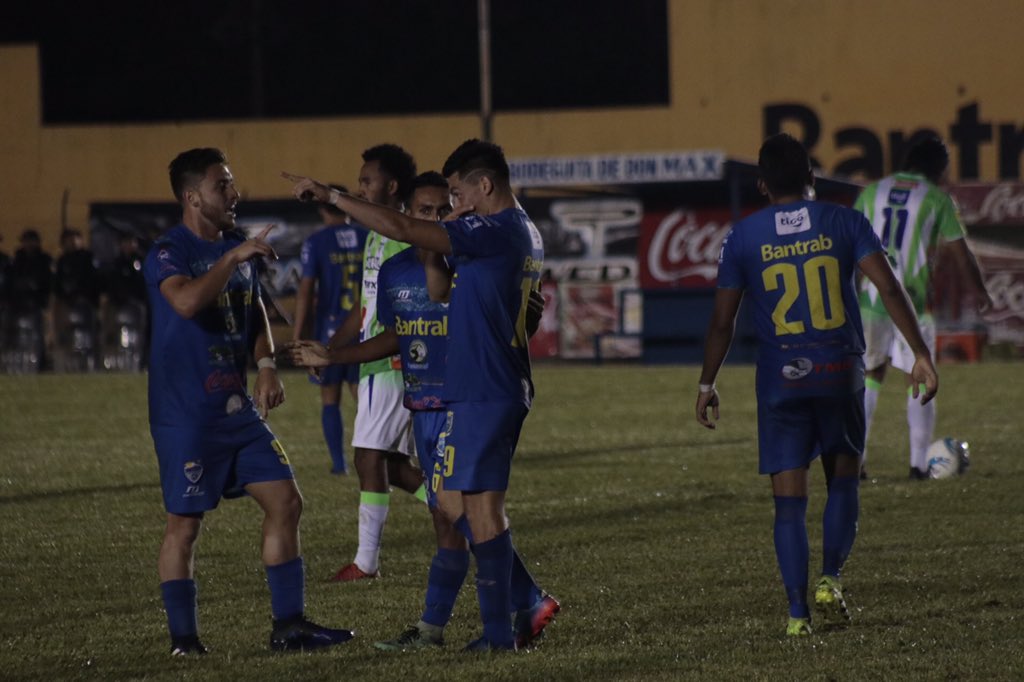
<point>266,363</point>
<point>706,388</point>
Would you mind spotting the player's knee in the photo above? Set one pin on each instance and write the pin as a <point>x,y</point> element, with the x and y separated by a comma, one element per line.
<point>182,532</point>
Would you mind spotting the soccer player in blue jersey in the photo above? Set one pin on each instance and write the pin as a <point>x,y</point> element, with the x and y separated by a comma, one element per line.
<point>209,432</point>
<point>332,270</point>
<point>417,326</point>
<point>497,255</point>
<point>797,259</point>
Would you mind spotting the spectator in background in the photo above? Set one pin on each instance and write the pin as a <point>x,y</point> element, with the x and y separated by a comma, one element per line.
<point>5,268</point>
<point>332,272</point>
<point>77,287</point>
<point>28,290</point>
<point>126,304</point>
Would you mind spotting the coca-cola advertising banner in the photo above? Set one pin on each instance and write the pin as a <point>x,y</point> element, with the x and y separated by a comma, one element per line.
<point>984,204</point>
<point>679,248</point>
<point>1003,266</point>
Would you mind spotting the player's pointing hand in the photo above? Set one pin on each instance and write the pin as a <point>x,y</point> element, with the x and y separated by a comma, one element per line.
<point>307,189</point>
<point>257,246</point>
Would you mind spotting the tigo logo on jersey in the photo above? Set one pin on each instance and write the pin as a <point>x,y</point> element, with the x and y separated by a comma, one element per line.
<point>792,222</point>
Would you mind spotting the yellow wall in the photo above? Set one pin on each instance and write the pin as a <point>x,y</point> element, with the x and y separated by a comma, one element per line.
<point>884,65</point>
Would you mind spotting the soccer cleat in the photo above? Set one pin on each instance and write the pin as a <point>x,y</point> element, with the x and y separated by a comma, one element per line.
<point>828,599</point>
<point>187,646</point>
<point>918,475</point>
<point>412,639</point>
<point>351,572</point>
<point>484,645</point>
<point>339,470</point>
<point>530,623</point>
<point>863,474</point>
<point>798,627</point>
<point>300,634</point>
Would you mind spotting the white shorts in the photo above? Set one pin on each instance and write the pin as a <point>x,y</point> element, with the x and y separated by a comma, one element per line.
<point>883,341</point>
<point>382,422</point>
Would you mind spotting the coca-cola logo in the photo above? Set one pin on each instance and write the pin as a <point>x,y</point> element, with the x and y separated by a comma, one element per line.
<point>1007,292</point>
<point>1003,203</point>
<point>683,246</point>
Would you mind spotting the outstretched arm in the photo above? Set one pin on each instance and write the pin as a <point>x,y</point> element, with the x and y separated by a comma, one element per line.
<point>716,346</point>
<point>313,354</point>
<point>876,268</point>
<point>383,220</point>
<point>303,299</point>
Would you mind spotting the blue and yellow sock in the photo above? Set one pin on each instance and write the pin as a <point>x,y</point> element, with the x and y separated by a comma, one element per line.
<point>180,603</point>
<point>792,551</point>
<point>448,571</point>
<point>287,584</point>
<point>839,523</point>
<point>493,569</point>
<point>334,435</point>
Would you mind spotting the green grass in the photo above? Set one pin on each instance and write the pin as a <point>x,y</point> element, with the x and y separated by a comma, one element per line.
<point>654,533</point>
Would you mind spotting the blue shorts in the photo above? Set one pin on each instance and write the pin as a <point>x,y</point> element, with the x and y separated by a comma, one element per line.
<point>427,426</point>
<point>791,433</point>
<point>201,464</point>
<point>478,442</point>
<point>332,375</point>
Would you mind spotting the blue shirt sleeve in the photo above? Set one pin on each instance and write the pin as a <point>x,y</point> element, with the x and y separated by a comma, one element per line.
<point>730,264</point>
<point>865,241</point>
<point>308,259</point>
<point>167,259</point>
<point>474,236</point>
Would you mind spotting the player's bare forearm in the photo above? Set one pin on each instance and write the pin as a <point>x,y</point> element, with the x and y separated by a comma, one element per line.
<point>968,264</point>
<point>188,296</point>
<point>263,347</point>
<point>894,297</point>
<point>382,346</point>
<point>347,332</point>
<point>303,299</point>
<point>720,332</point>
<point>383,220</point>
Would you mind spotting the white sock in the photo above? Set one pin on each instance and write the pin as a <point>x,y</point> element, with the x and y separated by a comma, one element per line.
<point>871,388</point>
<point>921,420</point>
<point>373,512</point>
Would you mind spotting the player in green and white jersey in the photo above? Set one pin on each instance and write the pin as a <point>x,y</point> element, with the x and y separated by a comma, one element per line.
<point>382,437</point>
<point>913,218</point>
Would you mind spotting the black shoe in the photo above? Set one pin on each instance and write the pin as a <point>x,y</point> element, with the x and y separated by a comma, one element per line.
<point>295,634</point>
<point>918,475</point>
<point>863,474</point>
<point>187,646</point>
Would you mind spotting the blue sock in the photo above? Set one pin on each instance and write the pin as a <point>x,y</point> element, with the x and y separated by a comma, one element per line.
<point>180,604</point>
<point>448,571</point>
<point>523,589</point>
<point>493,569</point>
<point>334,434</point>
<point>287,589</point>
<point>839,524</point>
<point>792,551</point>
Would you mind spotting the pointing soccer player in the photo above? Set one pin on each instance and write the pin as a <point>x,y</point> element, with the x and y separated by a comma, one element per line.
<point>210,437</point>
<point>797,260</point>
<point>497,255</point>
<point>417,326</point>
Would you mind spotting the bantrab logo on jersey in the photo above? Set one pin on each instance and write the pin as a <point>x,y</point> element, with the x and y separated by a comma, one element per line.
<point>792,222</point>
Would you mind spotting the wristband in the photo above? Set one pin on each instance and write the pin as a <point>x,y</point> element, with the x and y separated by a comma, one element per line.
<point>266,363</point>
<point>706,388</point>
<point>333,196</point>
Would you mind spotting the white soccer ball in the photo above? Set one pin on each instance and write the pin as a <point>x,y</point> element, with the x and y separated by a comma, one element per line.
<point>947,457</point>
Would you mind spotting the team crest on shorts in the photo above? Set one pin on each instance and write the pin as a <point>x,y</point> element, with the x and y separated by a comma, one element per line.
<point>234,404</point>
<point>448,423</point>
<point>193,471</point>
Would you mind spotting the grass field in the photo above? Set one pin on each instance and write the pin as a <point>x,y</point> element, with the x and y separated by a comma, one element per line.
<point>654,533</point>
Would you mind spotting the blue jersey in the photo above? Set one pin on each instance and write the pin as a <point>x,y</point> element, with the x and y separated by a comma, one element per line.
<point>197,366</point>
<point>797,262</point>
<point>333,257</point>
<point>421,325</point>
<point>497,261</point>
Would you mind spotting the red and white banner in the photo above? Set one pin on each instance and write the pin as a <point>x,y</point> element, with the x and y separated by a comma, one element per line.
<point>679,248</point>
<point>1004,278</point>
<point>983,204</point>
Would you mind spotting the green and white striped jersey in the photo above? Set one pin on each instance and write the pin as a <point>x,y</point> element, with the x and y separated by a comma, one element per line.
<point>910,215</point>
<point>378,249</point>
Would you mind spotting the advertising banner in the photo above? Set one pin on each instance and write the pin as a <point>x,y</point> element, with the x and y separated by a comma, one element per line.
<point>679,247</point>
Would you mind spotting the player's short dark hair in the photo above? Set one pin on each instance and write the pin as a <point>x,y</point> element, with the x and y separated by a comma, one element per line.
<point>188,168</point>
<point>477,155</point>
<point>331,208</point>
<point>394,161</point>
<point>928,156</point>
<point>784,165</point>
<point>427,179</point>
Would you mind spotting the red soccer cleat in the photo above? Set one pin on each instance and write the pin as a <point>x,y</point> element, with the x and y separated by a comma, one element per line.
<point>530,623</point>
<point>351,572</point>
